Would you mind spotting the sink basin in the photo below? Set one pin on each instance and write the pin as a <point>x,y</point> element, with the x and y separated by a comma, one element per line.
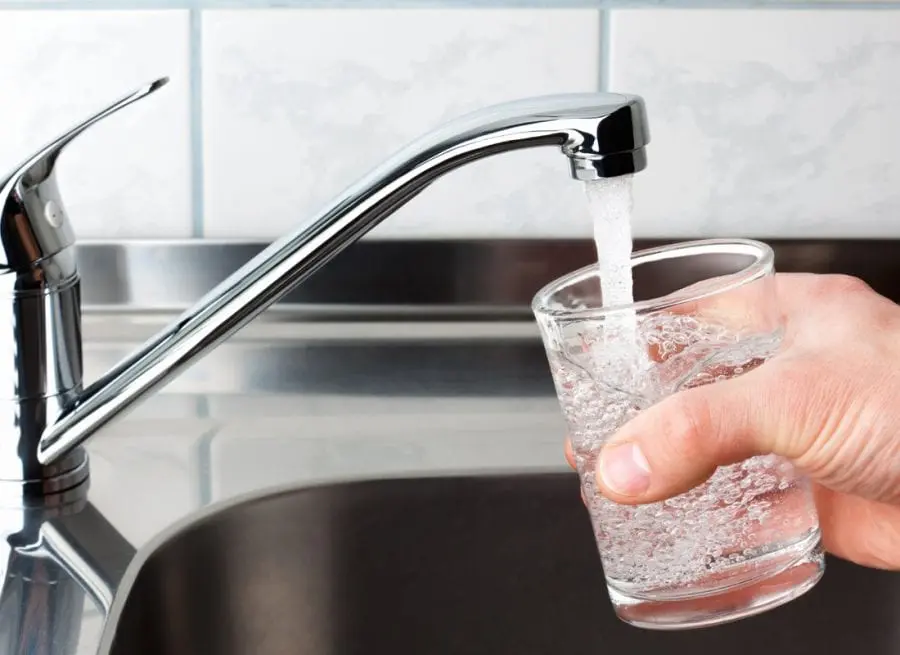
<point>494,564</point>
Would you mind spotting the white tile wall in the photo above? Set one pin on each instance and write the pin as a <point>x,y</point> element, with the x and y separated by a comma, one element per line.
<point>764,122</point>
<point>767,123</point>
<point>128,176</point>
<point>300,103</point>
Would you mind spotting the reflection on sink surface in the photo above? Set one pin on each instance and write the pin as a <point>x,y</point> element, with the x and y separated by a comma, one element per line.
<point>431,566</point>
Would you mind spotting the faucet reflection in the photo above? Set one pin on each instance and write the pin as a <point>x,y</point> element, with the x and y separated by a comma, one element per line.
<point>47,415</point>
<point>58,550</point>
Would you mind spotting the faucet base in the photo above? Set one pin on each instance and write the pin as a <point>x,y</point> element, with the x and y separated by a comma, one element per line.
<point>55,479</point>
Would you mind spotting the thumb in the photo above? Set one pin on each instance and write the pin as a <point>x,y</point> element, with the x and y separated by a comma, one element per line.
<point>677,444</point>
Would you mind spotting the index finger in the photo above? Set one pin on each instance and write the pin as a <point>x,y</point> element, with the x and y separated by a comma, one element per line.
<point>758,307</point>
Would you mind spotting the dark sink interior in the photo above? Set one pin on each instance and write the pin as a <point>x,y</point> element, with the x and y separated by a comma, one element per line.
<point>437,566</point>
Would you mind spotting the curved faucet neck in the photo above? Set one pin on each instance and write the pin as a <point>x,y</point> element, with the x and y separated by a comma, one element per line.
<point>602,134</point>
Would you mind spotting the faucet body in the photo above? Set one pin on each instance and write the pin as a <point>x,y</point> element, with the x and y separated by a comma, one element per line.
<point>46,412</point>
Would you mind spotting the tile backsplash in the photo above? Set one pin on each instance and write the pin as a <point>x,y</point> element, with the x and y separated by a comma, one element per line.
<point>300,103</point>
<point>765,122</point>
<point>129,176</point>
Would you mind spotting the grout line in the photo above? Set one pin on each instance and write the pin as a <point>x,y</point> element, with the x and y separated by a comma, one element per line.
<point>605,48</point>
<point>196,109</point>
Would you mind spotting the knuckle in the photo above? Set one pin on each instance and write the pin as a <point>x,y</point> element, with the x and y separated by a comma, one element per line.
<point>841,284</point>
<point>871,313</point>
<point>801,390</point>
<point>860,319</point>
<point>687,425</point>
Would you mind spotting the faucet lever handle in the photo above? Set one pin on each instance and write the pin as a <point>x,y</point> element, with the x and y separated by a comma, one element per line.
<point>32,219</point>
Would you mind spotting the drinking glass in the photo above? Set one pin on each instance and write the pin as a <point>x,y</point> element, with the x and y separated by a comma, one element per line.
<point>745,541</point>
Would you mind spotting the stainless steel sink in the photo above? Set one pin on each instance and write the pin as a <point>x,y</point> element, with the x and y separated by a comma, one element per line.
<point>499,564</point>
<point>364,377</point>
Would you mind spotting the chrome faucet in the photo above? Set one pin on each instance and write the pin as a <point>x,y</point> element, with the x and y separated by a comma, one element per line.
<point>46,413</point>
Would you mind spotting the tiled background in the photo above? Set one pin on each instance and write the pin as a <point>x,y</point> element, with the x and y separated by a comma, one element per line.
<point>765,122</point>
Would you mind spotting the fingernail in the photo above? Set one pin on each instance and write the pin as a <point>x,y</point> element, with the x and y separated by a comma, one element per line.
<point>624,469</point>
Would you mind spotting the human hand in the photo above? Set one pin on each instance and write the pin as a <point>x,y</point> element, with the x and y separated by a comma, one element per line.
<point>829,401</point>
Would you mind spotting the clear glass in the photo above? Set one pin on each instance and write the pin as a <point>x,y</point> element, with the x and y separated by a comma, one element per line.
<point>748,539</point>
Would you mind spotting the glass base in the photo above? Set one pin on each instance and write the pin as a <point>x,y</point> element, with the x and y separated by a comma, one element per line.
<point>778,584</point>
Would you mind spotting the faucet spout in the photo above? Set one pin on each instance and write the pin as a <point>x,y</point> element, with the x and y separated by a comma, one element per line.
<point>602,134</point>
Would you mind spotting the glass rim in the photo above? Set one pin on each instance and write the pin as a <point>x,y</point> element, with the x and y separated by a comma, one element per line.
<point>763,262</point>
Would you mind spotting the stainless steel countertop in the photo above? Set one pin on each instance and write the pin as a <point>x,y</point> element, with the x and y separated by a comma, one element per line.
<point>399,359</point>
<point>285,403</point>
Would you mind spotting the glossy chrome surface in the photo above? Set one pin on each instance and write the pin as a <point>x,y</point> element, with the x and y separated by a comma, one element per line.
<point>455,328</point>
<point>40,323</point>
<point>33,222</point>
<point>58,552</point>
<point>502,564</point>
<point>603,135</point>
<point>386,391</point>
<point>460,279</point>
